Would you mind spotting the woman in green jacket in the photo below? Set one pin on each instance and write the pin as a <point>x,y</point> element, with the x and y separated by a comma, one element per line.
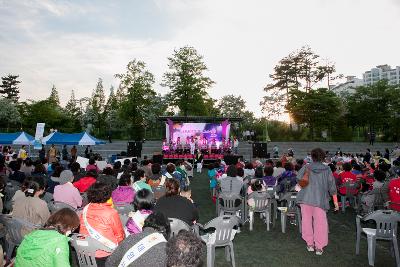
<point>49,246</point>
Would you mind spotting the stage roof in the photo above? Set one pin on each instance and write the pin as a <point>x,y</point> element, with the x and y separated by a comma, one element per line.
<point>199,119</point>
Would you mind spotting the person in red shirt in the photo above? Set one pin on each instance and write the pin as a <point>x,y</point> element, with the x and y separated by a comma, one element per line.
<point>85,182</point>
<point>346,176</point>
<point>394,194</point>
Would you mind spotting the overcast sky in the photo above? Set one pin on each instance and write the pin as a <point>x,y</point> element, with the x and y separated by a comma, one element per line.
<point>73,43</point>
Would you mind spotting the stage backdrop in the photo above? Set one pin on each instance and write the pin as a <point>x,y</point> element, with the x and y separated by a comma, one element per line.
<point>205,130</point>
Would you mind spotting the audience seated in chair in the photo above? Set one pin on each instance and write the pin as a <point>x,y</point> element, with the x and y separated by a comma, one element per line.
<point>369,197</point>
<point>66,192</point>
<point>107,177</point>
<point>394,194</point>
<point>100,221</point>
<point>31,208</point>
<point>143,204</point>
<point>49,245</point>
<point>184,249</point>
<point>85,182</point>
<point>269,179</point>
<point>173,205</point>
<point>140,181</point>
<point>231,184</point>
<point>124,193</point>
<point>156,228</point>
<point>287,180</point>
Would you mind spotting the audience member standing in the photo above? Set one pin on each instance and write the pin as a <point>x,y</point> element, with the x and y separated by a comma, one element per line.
<point>314,201</point>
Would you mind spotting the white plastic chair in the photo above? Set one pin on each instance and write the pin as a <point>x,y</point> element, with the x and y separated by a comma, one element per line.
<point>178,225</point>
<point>291,209</point>
<point>262,202</point>
<point>386,229</point>
<point>15,228</point>
<point>222,237</point>
<point>123,208</point>
<point>86,248</point>
<point>57,205</point>
<point>350,195</point>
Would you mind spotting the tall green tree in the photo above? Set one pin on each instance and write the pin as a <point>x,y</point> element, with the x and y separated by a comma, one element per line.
<point>187,82</point>
<point>375,107</point>
<point>318,109</point>
<point>9,113</point>
<point>300,70</point>
<point>9,87</point>
<point>111,111</point>
<point>97,105</point>
<point>231,106</point>
<point>73,112</point>
<point>54,98</point>
<point>45,111</point>
<point>137,90</point>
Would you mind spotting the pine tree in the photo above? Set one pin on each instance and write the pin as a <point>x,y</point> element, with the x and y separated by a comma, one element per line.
<point>97,104</point>
<point>72,107</point>
<point>74,112</point>
<point>9,87</point>
<point>111,110</point>
<point>54,98</point>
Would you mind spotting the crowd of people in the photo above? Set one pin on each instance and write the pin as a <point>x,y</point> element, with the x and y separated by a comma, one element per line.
<point>156,193</point>
<point>160,192</point>
<point>315,180</point>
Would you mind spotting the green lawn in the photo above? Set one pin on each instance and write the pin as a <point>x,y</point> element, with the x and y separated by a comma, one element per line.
<point>262,248</point>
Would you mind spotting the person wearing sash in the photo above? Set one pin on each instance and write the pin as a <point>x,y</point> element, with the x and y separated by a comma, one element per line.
<point>100,221</point>
<point>147,248</point>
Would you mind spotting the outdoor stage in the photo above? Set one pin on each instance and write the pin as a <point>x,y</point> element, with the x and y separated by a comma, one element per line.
<point>185,136</point>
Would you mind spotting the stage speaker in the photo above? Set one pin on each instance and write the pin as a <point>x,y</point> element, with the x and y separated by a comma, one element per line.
<point>260,150</point>
<point>158,159</point>
<point>134,149</point>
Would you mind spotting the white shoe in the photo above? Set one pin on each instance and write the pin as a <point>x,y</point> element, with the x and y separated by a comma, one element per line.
<point>319,252</point>
<point>310,248</point>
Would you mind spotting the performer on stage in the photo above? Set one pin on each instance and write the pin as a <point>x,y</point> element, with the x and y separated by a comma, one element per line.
<point>179,149</point>
<point>192,145</point>
<point>235,145</point>
<point>213,146</point>
<point>199,161</point>
<point>165,147</point>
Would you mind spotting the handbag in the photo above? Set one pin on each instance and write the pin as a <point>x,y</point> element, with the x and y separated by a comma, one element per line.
<point>304,181</point>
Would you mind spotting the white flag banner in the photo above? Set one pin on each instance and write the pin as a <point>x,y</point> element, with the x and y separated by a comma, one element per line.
<point>39,135</point>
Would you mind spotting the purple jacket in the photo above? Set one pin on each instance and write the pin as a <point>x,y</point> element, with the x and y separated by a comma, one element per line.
<point>269,180</point>
<point>123,194</point>
<point>136,220</point>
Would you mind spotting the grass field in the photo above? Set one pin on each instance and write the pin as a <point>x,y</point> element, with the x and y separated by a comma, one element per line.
<point>262,248</point>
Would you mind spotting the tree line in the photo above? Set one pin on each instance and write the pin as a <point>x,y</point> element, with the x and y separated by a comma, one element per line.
<point>129,111</point>
<point>300,87</point>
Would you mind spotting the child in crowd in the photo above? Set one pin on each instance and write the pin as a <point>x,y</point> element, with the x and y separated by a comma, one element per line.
<point>212,175</point>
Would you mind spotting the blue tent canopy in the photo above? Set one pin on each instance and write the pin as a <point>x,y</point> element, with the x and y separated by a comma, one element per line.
<point>18,138</point>
<point>83,139</point>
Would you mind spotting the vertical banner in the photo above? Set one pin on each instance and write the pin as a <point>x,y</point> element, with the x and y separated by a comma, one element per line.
<point>39,136</point>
